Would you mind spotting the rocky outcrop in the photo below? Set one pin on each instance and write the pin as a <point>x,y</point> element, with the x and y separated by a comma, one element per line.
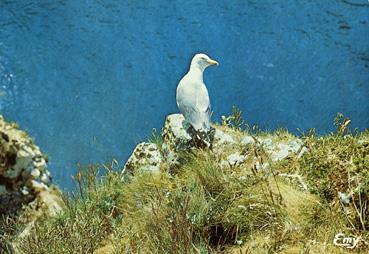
<point>145,158</point>
<point>233,147</point>
<point>280,149</point>
<point>175,135</point>
<point>25,182</point>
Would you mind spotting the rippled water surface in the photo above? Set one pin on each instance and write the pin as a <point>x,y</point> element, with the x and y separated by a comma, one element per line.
<point>90,79</point>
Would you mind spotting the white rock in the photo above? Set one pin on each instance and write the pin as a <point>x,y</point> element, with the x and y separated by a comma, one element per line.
<point>247,140</point>
<point>265,165</point>
<point>35,173</point>
<point>25,191</point>
<point>145,157</point>
<point>24,161</point>
<point>45,178</point>
<point>295,145</point>
<point>171,157</point>
<point>39,164</point>
<point>236,159</point>
<point>52,203</point>
<point>176,126</point>
<point>280,151</point>
<point>221,138</point>
<point>26,170</point>
<point>175,137</point>
<point>266,142</point>
<point>26,151</point>
<point>38,186</point>
<point>344,197</point>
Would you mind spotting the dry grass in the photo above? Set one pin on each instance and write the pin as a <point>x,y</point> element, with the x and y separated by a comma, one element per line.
<point>204,208</point>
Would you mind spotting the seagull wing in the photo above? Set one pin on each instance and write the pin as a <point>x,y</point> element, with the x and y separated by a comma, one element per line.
<point>193,102</point>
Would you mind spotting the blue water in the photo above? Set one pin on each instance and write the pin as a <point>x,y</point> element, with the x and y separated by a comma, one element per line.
<point>90,79</point>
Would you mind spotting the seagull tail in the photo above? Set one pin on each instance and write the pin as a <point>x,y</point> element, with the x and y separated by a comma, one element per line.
<point>201,122</point>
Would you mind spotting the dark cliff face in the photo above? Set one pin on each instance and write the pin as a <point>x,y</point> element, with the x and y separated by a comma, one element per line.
<point>102,74</point>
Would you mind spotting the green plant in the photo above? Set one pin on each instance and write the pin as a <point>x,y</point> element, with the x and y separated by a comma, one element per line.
<point>342,125</point>
<point>234,120</point>
<point>89,218</point>
<point>156,138</point>
<point>202,207</point>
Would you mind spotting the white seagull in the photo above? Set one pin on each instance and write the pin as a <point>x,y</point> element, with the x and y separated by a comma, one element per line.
<point>192,95</point>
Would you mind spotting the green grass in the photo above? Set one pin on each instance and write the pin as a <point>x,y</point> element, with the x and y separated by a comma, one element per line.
<point>89,217</point>
<point>203,208</point>
<point>337,162</point>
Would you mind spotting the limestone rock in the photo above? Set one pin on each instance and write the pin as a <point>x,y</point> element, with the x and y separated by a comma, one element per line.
<point>145,158</point>
<point>222,138</point>
<point>24,178</point>
<point>280,151</point>
<point>234,159</point>
<point>176,138</point>
<point>175,135</point>
<point>247,140</point>
<point>267,142</point>
<point>260,166</point>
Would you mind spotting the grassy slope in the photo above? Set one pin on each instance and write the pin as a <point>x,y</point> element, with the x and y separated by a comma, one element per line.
<point>206,209</point>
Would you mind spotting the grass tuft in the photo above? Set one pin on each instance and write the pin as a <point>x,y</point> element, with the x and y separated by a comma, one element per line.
<point>292,206</point>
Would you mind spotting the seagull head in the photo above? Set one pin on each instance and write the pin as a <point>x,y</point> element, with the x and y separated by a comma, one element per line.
<point>202,61</point>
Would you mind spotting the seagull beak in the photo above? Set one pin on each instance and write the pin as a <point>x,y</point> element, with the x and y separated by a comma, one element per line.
<point>213,62</point>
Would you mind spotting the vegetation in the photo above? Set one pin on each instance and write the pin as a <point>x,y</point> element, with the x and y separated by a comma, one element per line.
<point>206,208</point>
